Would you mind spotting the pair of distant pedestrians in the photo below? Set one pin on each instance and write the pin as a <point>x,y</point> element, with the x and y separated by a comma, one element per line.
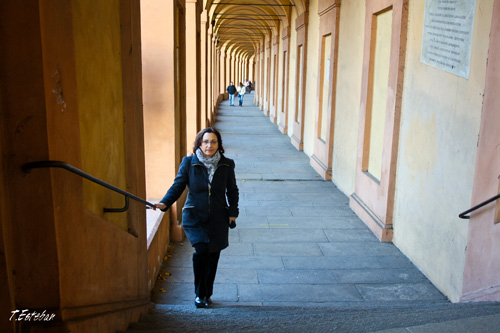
<point>232,90</point>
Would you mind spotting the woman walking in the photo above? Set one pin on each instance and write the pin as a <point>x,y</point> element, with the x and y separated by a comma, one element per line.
<point>241,93</point>
<point>211,207</point>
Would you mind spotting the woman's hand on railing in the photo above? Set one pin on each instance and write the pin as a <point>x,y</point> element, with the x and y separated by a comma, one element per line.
<point>160,205</point>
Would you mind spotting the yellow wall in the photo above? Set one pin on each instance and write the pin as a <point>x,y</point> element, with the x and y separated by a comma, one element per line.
<point>437,149</point>
<point>379,92</point>
<point>279,76</point>
<point>437,153</point>
<point>292,74</point>
<point>267,73</point>
<point>71,260</point>
<point>324,86</point>
<point>158,92</point>
<point>348,94</point>
<point>311,95</point>
<point>96,31</point>
<point>193,73</point>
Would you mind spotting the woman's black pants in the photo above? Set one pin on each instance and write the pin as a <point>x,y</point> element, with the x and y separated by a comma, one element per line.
<point>205,268</point>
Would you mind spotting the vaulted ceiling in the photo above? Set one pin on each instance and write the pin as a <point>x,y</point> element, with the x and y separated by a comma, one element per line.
<point>242,25</point>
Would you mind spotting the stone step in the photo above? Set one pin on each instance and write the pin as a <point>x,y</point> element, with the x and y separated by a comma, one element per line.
<point>344,318</point>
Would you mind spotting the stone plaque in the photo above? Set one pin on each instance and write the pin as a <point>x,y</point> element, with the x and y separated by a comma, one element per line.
<point>447,35</point>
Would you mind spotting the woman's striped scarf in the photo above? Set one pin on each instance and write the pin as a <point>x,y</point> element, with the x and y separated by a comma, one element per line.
<point>209,162</point>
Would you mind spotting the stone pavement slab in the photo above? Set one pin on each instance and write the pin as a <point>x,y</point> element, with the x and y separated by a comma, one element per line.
<point>378,275</point>
<point>338,318</point>
<point>280,292</point>
<point>287,249</point>
<point>288,277</point>
<point>296,242</point>
<point>282,235</point>
<point>482,324</point>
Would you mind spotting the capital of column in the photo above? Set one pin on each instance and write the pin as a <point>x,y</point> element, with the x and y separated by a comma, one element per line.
<point>204,16</point>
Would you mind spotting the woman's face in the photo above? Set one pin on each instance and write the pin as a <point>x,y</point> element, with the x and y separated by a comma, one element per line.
<point>209,144</point>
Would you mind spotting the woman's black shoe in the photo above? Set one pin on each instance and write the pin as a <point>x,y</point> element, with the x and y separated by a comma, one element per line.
<point>199,303</point>
<point>209,302</point>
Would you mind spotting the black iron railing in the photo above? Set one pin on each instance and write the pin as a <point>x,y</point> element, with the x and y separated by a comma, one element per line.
<point>463,215</point>
<point>57,164</point>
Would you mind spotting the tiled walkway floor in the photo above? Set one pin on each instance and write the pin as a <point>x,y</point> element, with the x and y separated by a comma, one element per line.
<point>296,241</point>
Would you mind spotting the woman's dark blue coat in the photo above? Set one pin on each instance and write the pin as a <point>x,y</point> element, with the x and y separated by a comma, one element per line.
<point>205,216</point>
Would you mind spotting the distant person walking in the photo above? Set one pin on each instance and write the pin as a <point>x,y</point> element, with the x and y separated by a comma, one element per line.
<point>247,86</point>
<point>231,89</point>
<point>210,210</point>
<point>241,93</point>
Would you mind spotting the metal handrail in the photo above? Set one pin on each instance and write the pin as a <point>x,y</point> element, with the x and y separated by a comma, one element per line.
<point>63,165</point>
<point>462,215</point>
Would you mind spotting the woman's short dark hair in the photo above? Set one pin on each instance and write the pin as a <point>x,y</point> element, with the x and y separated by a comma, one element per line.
<point>199,138</point>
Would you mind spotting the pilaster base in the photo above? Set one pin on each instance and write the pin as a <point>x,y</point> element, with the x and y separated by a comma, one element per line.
<point>296,142</point>
<point>283,129</point>
<point>491,294</point>
<point>110,317</point>
<point>381,230</point>
<point>324,171</point>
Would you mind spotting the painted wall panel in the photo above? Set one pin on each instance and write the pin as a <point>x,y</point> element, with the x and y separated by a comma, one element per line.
<point>350,58</point>
<point>313,45</point>
<point>100,92</point>
<point>292,74</point>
